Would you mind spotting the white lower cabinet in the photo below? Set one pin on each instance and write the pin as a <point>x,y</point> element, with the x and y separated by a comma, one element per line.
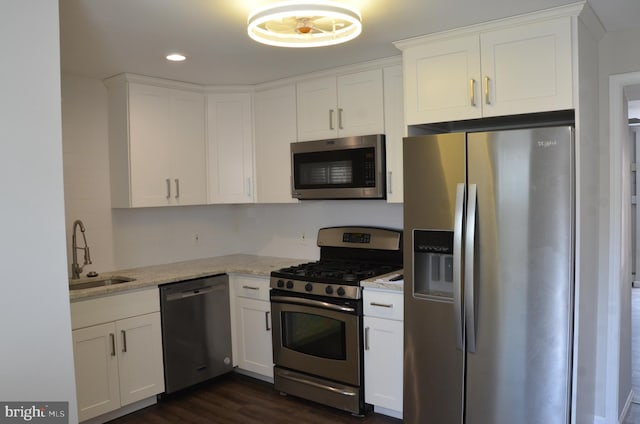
<point>251,326</point>
<point>117,362</point>
<point>384,350</point>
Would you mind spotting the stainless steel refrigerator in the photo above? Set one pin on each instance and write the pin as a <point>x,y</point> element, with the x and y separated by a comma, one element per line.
<point>489,268</point>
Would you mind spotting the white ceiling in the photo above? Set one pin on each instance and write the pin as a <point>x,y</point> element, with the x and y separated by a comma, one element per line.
<point>100,38</point>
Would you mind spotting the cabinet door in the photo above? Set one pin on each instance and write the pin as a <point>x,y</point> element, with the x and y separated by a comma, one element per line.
<point>383,362</point>
<point>96,366</point>
<point>275,123</point>
<point>528,68</point>
<point>230,148</point>
<point>394,130</point>
<point>187,148</point>
<point>360,104</point>
<point>253,324</point>
<point>149,135</point>
<point>442,81</point>
<point>140,357</point>
<point>317,109</point>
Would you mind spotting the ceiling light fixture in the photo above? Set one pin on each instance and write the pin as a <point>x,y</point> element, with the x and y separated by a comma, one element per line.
<point>176,57</point>
<point>304,24</point>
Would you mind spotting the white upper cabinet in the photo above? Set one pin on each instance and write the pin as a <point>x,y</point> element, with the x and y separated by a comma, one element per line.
<point>156,145</point>
<point>438,77</point>
<point>527,68</point>
<point>341,106</point>
<point>188,147</point>
<point>275,130</point>
<point>230,148</point>
<point>515,68</point>
<point>394,131</point>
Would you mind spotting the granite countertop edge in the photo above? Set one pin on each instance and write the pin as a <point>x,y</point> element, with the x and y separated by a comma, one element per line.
<point>156,275</point>
<point>382,282</point>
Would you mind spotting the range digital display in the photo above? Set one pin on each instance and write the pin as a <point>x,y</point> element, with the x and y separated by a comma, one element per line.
<point>363,238</point>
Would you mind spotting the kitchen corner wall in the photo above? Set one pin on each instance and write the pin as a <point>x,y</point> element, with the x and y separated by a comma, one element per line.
<point>126,238</point>
<point>86,168</point>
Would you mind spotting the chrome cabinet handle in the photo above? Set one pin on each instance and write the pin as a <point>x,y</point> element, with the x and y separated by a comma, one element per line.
<point>340,119</point>
<point>389,186</point>
<point>124,340</point>
<point>331,119</point>
<point>168,188</point>
<point>469,285</point>
<point>177,188</point>
<point>486,91</point>
<point>382,305</point>
<point>250,288</point>
<point>366,338</point>
<point>267,321</point>
<point>113,344</point>
<point>457,265</point>
<point>472,92</point>
<point>248,186</point>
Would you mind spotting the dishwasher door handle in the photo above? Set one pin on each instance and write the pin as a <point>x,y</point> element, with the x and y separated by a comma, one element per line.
<point>194,292</point>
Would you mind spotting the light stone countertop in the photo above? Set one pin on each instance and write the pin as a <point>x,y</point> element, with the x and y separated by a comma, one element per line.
<point>168,273</point>
<point>382,282</point>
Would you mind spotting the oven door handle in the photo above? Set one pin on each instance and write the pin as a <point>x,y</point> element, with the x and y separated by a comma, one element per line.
<point>311,302</point>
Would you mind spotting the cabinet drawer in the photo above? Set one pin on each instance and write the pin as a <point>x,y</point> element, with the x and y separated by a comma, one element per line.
<point>252,287</point>
<point>113,307</point>
<point>383,304</point>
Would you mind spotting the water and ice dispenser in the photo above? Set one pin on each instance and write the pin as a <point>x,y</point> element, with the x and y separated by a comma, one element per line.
<point>433,264</point>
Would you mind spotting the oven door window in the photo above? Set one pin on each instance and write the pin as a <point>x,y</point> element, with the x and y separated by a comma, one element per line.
<point>348,168</point>
<point>314,335</point>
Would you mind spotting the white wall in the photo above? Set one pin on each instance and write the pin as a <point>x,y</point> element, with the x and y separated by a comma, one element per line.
<point>619,52</point>
<point>126,238</point>
<point>35,327</point>
<point>290,230</point>
<point>86,168</point>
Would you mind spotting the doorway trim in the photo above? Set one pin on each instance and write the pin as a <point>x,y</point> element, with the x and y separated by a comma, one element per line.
<point>617,84</point>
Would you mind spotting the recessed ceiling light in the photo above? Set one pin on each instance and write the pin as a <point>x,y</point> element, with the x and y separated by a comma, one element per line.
<point>176,57</point>
<point>304,23</point>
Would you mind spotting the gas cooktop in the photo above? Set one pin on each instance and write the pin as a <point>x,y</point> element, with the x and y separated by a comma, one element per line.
<point>336,272</point>
<point>348,255</point>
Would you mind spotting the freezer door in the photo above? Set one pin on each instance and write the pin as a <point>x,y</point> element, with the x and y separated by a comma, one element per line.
<point>522,308</point>
<point>434,176</point>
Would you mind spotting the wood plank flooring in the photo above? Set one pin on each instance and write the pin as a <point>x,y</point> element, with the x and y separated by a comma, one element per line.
<point>235,398</point>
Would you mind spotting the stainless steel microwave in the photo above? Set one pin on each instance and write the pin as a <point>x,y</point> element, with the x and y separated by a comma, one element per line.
<point>339,168</point>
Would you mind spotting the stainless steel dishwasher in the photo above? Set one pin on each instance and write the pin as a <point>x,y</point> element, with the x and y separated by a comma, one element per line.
<point>196,331</point>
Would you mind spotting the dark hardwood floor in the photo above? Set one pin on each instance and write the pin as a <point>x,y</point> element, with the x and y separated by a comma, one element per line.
<point>235,398</point>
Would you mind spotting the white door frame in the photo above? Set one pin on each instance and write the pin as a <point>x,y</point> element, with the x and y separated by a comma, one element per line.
<point>617,135</point>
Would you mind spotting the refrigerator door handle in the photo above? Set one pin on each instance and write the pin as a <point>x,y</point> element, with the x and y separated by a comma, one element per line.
<point>457,264</point>
<point>469,283</point>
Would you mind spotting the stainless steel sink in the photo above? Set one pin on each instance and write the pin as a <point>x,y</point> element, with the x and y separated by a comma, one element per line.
<point>98,282</point>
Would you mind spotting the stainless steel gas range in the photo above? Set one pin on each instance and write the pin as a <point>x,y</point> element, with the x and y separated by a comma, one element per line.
<point>317,315</point>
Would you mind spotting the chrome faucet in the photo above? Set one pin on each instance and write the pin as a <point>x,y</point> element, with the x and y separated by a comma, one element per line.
<point>76,269</point>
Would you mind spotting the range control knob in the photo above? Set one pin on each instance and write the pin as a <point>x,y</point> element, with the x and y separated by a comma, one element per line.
<point>308,287</point>
<point>289,284</point>
<point>280,283</point>
<point>328,290</point>
<point>340,291</point>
